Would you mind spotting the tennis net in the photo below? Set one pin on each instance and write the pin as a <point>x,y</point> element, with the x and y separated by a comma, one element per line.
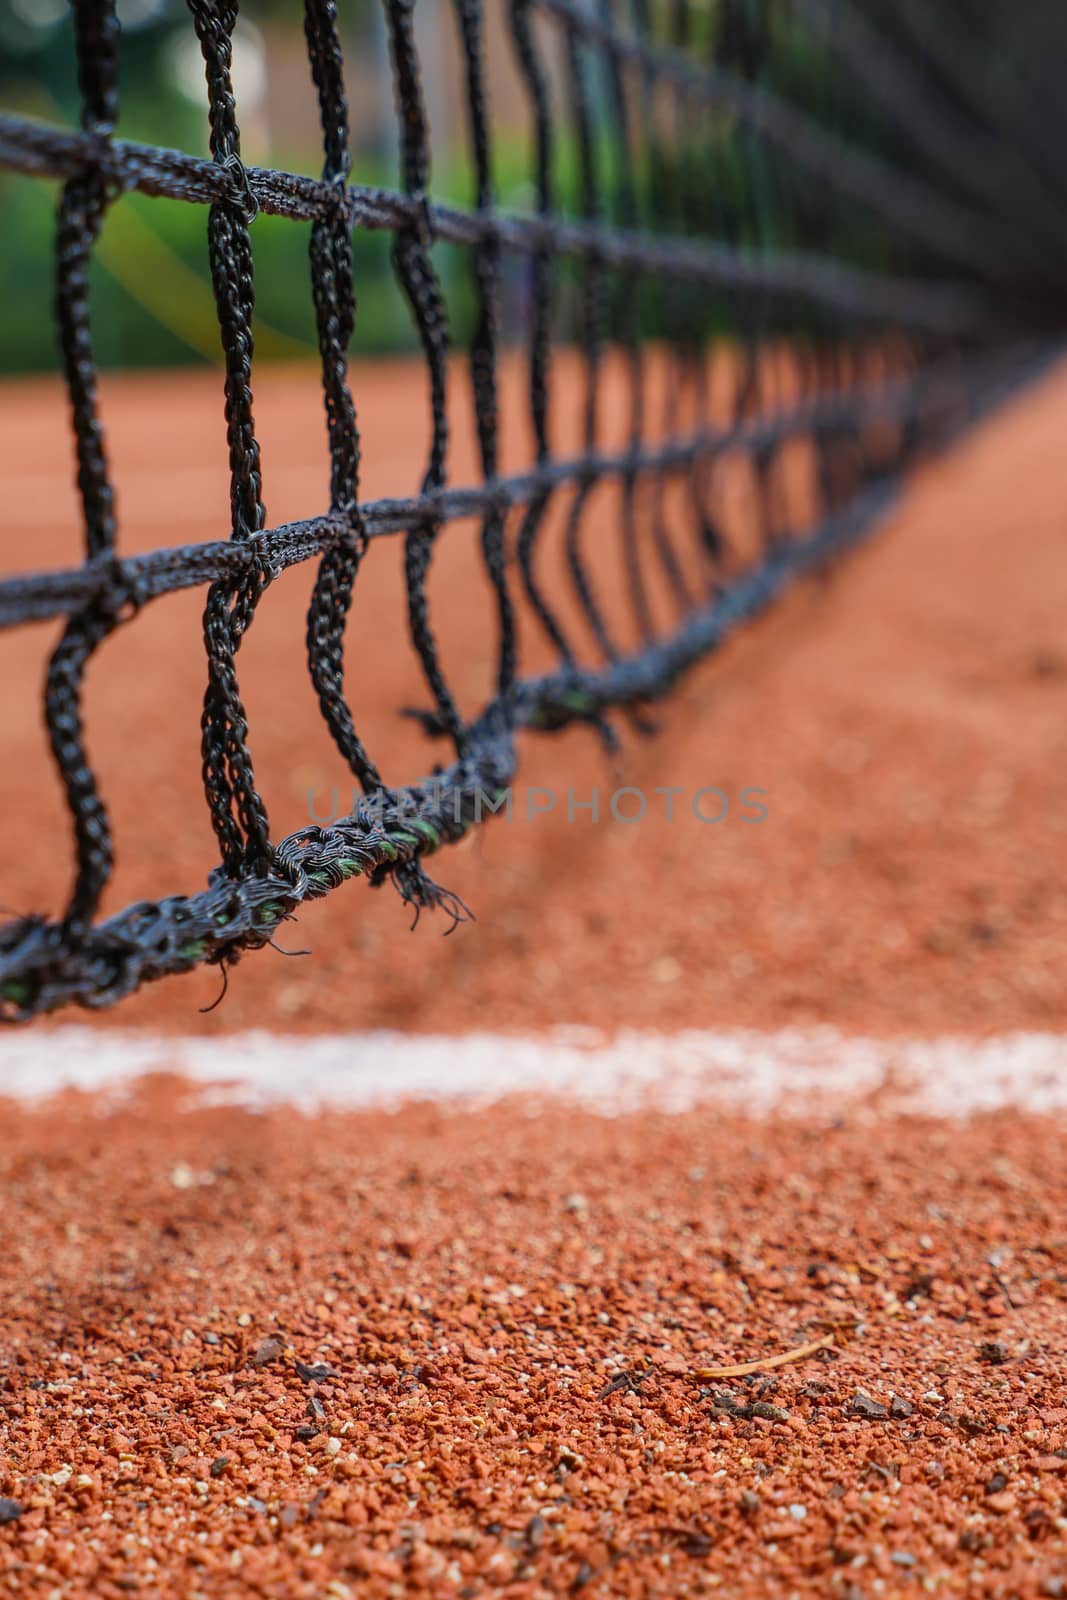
<point>839,227</point>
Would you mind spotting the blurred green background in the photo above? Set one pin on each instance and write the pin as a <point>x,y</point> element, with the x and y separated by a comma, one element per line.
<point>151,294</point>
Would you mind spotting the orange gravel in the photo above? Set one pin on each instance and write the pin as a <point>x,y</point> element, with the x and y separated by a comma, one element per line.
<point>427,1354</point>
<point>906,721</point>
<point>452,1354</point>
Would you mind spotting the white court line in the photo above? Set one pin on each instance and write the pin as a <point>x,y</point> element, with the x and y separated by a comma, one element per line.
<point>785,1072</point>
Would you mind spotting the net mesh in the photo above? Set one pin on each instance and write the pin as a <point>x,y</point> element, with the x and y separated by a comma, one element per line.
<point>838,226</point>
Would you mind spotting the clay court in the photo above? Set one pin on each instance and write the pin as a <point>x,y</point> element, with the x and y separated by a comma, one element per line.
<point>903,717</point>
<point>691,1217</point>
<point>270,1346</point>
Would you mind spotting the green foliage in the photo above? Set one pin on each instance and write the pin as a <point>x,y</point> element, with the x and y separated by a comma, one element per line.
<point>151,290</point>
<point>151,294</point>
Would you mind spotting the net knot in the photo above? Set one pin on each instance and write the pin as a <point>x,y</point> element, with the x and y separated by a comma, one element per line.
<point>122,593</point>
<point>293,856</point>
<point>109,171</point>
<point>244,193</point>
<point>352,526</point>
<point>263,566</point>
<point>336,194</point>
<point>424,221</point>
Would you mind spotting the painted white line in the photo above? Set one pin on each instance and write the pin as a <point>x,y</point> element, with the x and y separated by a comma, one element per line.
<point>786,1072</point>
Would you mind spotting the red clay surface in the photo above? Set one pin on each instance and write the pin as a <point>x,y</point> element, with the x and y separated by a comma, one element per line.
<point>505,1318</point>
<point>448,1354</point>
<point>905,720</point>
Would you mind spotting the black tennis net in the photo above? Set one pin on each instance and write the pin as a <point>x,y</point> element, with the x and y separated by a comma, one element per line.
<point>854,209</point>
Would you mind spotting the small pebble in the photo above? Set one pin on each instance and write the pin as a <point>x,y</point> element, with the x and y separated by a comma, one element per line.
<point>318,1373</point>
<point>266,1351</point>
<point>862,1405</point>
